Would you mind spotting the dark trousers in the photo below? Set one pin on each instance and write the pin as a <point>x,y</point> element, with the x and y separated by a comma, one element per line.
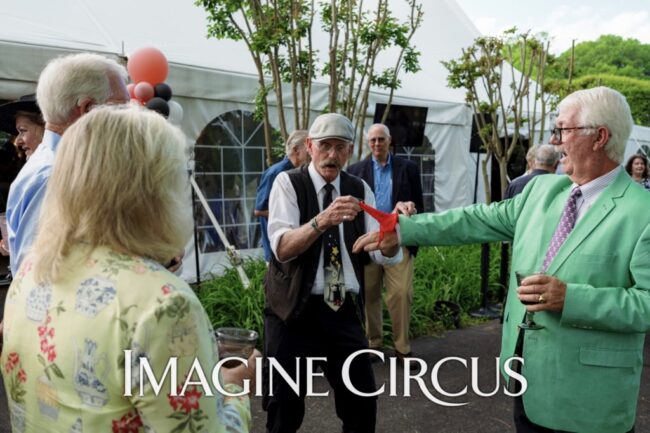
<point>319,332</point>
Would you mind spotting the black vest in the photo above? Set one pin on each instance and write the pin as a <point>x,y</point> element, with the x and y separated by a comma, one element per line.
<point>288,285</point>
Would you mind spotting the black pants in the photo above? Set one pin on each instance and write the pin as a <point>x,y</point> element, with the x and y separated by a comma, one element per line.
<point>319,332</point>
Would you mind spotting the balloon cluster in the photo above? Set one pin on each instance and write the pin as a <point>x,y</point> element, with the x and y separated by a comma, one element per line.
<point>148,69</point>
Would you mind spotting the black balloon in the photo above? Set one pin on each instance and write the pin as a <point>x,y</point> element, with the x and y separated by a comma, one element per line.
<point>162,90</point>
<point>159,105</point>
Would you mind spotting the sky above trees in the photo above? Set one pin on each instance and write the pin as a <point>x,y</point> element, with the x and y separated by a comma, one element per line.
<point>582,20</point>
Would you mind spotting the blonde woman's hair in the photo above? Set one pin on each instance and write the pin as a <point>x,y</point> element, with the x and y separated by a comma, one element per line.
<point>119,180</point>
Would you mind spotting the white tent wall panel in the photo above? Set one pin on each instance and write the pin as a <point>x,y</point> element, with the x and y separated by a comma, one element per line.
<point>640,137</point>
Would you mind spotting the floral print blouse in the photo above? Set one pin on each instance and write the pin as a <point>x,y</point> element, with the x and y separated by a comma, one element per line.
<point>63,359</point>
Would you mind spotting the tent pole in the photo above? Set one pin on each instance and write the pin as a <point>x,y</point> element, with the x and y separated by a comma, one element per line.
<point>231,252</point>
<point>196,240</point>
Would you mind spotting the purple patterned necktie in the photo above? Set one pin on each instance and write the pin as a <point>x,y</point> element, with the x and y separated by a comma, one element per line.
<point>563,229</point>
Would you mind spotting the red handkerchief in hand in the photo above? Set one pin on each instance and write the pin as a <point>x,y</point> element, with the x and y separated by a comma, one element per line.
<point>387,221</point>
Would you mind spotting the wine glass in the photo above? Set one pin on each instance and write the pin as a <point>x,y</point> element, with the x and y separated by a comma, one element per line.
<point>529,323</point>
<point>235,342</point>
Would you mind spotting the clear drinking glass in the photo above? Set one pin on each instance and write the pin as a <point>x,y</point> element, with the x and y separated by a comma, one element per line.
<point>529,323</point>
<point>237,342</point>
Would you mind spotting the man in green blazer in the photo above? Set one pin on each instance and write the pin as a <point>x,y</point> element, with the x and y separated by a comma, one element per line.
<point>583,368</point>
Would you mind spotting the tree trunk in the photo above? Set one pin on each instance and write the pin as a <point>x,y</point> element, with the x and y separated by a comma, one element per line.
<point>503,174</point>
<point>486,179</point>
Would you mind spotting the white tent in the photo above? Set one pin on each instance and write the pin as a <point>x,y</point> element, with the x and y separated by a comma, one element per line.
<point>215,83</point>
<point>639,142</point>
<point>211,78</point>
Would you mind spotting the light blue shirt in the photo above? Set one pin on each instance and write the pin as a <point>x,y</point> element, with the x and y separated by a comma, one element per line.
<point>262,199</point>
<point>25,198</point>
<point>383,184</point>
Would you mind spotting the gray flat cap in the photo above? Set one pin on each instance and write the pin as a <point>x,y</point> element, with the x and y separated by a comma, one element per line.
<point>332,125</point>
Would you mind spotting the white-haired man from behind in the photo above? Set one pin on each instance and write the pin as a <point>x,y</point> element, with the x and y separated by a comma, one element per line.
<point>67,89</point>
<point>546,161</point>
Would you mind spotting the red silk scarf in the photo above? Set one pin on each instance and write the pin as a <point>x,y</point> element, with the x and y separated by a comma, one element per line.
<point>387,221</point>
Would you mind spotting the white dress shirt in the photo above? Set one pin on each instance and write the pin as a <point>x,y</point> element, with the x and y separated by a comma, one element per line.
<point>284,215</point>
<point>592,190</point>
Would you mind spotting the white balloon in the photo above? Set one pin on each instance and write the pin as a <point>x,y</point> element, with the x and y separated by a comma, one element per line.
<point>175,112</point>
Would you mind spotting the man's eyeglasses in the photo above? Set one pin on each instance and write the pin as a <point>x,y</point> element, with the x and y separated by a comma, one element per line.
<point>557,132</point>
<point>339,148</point>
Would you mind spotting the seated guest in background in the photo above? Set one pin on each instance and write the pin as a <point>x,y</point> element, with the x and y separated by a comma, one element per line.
<point>296,155</point>
<point>23,119</point>
<point>637,167</point>
<point>94,287</point>
<point>586,237</point>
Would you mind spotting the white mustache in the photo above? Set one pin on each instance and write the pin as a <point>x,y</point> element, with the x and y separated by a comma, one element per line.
<point>329,163</point>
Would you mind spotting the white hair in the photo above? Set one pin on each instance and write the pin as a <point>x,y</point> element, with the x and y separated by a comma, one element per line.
<point>384,127</point>
<point>296,139</point>
<point>68,80</point>
<point>546,154</point>
<point>602,106</point>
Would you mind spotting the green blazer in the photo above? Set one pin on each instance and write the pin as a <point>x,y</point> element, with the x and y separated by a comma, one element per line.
<point>584,368</point>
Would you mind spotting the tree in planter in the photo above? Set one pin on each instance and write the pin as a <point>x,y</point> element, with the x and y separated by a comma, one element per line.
<point>279,35</point>
<point>502,96</point>
<point>364,37</point>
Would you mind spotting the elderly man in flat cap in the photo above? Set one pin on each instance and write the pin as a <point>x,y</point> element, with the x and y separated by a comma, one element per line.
<point>314,284</point>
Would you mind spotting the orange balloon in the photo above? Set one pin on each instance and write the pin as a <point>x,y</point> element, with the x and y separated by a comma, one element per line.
<point>148,64</point>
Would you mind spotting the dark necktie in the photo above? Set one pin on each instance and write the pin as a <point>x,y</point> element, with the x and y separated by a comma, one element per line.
<point>334,293</point>
<point>567,221</point>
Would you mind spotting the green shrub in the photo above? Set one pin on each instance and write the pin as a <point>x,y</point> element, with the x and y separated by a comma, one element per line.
<point>449,273</point>
<point>229,304</point>
<point>441,274</point>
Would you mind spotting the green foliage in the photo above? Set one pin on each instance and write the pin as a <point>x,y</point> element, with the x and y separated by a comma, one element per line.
<point>279,36</point>
<point>622,64</point>
<point>485,70</point>
<point>441,274</point>
<point>229,304</point>
<point>609,54</point>
<point>636,91</point>
<point>448,274</point>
